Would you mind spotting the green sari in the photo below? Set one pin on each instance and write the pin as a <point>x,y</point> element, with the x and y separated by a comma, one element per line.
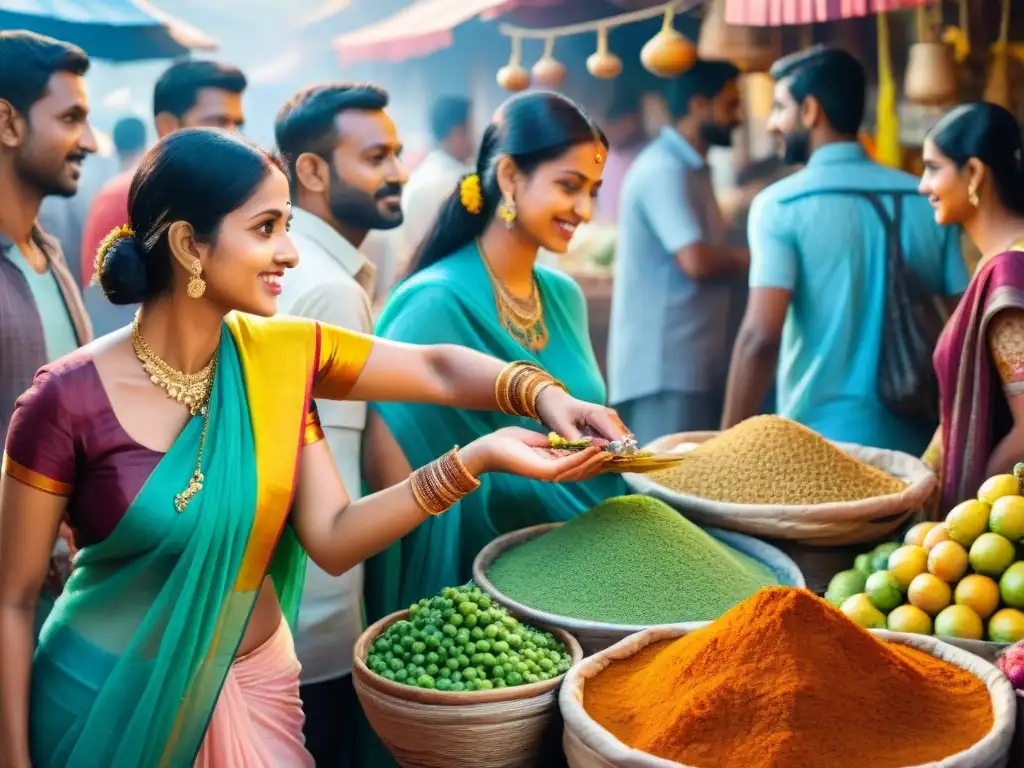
<point>132,658</point>
<point>453,302</point>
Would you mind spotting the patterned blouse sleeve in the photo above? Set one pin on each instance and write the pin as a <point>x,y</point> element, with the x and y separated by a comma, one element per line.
<point>40,450</point>
<point>312,432</point>
<point>340,359</point>
<point>1006,341</point>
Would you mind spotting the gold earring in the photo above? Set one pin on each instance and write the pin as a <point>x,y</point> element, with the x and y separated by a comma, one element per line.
<point>972,196</point>
<point>196,284</point>
<point>507,212</point>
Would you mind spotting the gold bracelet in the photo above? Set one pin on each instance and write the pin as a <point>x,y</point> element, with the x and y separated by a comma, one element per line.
<point>442,483</point>
<point>518,387</point>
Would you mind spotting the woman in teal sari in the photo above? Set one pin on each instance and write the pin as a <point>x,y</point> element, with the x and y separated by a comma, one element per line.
<point>184,455</point>
<point>474,281</point>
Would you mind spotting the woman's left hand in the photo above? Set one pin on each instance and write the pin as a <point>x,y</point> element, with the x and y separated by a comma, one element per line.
<point>575,419</point>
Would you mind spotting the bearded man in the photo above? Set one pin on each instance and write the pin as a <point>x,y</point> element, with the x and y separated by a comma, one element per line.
<point>342,151</point>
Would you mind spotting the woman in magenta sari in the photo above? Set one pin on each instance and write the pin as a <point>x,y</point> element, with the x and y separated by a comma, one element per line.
<point>974,176</point>
<point>186,456</point>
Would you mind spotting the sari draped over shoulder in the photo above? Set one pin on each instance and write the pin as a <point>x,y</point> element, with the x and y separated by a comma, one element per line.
<point>974,410</point>
<point>452,302</point>
<point>133,657</point>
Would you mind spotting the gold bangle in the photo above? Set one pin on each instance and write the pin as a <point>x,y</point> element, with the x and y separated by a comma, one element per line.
<point>442,483</point>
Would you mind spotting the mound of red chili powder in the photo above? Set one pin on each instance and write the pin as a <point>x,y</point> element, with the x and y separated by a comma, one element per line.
<point>784,680</point>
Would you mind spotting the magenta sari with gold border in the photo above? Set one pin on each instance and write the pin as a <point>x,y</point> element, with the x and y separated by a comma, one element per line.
<point>974,410</point>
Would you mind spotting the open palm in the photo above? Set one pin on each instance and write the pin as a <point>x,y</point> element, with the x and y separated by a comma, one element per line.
<point>520,452</point>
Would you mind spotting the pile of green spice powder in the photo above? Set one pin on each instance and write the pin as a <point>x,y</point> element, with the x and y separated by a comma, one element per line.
<point>630,560</point>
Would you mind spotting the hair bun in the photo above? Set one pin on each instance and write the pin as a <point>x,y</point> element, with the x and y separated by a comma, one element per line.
<point>122,274</point>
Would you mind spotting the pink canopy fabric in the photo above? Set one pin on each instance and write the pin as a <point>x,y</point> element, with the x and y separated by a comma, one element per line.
<point>773,13</point>
<point>422,27</point>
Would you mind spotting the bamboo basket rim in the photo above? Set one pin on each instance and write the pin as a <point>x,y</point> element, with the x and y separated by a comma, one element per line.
<point>371,679</point>
<point>497,547</point>
<point>920,482</point>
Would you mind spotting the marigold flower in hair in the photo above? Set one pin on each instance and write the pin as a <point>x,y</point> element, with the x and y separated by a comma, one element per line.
<point>115,236</point>
<point>470,195</point>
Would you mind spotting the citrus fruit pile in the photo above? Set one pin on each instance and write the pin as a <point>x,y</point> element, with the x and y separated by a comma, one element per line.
<point>962,578</point>
<point>461,641</point>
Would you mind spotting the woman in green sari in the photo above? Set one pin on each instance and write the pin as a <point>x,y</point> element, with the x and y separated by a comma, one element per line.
<point>186,459</point>
<point>474,281</point>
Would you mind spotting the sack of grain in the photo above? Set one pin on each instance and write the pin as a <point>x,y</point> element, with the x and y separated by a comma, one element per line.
<point>773,478</point>
<point>588,745</point>
<point>514,727</point>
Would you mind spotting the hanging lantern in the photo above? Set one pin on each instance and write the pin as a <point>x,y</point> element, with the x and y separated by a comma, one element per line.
<point>603,63</point>
<point>997,87</point>
<point>513,76</point>
<point>668,53</point>
<point>752,49</point>
<point>548,72</point>
<point>931,72</point>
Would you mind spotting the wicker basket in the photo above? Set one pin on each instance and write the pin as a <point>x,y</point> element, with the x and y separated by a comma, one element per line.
<point>589,745</point>
<point>827,525</point>
<point>514,727</point>
<point>595,636</point>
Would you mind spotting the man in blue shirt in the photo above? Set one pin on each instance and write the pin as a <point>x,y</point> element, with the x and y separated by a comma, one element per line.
<point>816,311</point>
<point>674,271</point>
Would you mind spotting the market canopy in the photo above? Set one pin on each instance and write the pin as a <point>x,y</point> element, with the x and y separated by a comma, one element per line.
<point>771,13</point>
<point>422,27</point>
<point>115,30</point>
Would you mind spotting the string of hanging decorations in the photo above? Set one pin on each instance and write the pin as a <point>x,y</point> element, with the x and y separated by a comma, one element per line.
<point>667,54</point>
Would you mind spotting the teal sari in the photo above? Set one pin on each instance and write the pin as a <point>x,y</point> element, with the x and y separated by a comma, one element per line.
<point>132,658</point>
<point>453,302</point>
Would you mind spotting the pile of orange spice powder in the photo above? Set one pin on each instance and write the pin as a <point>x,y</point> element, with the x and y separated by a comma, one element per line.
<point>784,680</point>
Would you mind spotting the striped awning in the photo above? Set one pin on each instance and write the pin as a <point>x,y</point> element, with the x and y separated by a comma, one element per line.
<point>773,13</point>
<point>422,27</point>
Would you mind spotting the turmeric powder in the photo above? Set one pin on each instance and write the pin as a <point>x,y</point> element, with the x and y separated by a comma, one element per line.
<point>784,680</point>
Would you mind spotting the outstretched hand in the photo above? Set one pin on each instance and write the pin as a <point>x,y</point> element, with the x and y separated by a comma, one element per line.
<point>525,453</point>
<point>575,419</point>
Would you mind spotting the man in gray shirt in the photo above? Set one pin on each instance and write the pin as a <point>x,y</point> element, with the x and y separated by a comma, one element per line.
<point>674,273</point>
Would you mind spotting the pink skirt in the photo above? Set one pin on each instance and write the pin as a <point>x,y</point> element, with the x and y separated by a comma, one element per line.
<point>258,720</point>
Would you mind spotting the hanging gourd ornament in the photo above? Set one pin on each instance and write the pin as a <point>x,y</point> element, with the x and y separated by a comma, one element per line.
<point>548,72</point>
<point>668,53</point>
<point>603,63</point>
<point>930,78</point>
<point>513,76</point>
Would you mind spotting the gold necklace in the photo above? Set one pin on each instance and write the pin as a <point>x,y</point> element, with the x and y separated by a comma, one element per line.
<point>191,390</point>
<point>522,319</point>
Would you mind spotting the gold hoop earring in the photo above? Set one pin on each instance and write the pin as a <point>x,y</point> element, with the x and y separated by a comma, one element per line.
<point>507,212</point>
<point>196,284</point>
<point>972,196</point>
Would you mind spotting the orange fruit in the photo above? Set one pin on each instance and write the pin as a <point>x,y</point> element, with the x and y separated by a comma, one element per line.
<point>979,593</point>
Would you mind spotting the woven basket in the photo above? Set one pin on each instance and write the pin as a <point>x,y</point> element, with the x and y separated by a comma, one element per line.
<point>826,525</point>
<point>595,636</point>
<point>588,745</point>
<point>502,728</point>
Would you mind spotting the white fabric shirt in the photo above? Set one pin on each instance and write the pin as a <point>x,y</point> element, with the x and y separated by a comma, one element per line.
<point>333,284</point>
<point>429,186</point>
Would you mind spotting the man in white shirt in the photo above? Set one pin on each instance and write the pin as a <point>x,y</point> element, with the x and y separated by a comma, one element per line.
<point>342,151</point>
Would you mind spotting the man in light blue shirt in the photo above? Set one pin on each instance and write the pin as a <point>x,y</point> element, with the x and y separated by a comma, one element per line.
<point>674,272</point>
<point>816,311</point>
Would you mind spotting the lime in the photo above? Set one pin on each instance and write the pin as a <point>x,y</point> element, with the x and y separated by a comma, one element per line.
<point>958,621</point>
<point>880,557</point>
<point>1011,586</point>
<point>860,611</point>
<point>843,585</point>
<point>967,521</point>
<point>948,561</point>
<point>883,590</point>
<point>991,554</point>
<point>916,535</point>
<point>1006,626</point>
<point>935,536</point>
<point>997,487</point>
<point>907,618</point>
<point>862,564</point>
<point>1007,517</point>
<point>907,562</point>
<point>979,593</point>
<point>929,593</point>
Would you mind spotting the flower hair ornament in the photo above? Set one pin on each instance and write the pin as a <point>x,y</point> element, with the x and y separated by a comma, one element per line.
<point>470,194</point>
<point>116,235</point>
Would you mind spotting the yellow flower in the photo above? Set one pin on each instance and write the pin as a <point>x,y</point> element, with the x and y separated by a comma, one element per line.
<point>470,195</point>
